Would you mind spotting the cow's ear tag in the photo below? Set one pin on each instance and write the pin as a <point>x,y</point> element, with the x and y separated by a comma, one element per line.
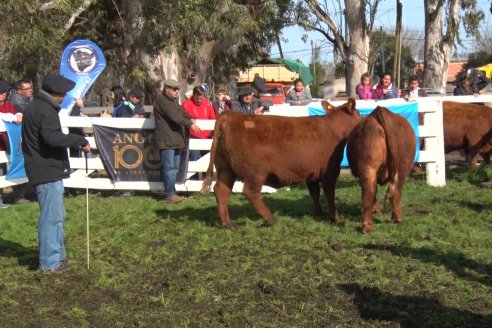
<point>327,106</point>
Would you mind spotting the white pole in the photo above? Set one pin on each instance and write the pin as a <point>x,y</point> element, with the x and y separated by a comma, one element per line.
<point>87,207</point>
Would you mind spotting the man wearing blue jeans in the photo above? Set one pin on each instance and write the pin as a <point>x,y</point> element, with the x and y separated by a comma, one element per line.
<point>170,123</point>
<point>46,161</point>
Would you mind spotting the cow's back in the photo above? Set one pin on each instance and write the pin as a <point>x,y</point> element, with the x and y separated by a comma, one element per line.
<point>383,143</point>
<point>465,124</point>
<point>286,150</point>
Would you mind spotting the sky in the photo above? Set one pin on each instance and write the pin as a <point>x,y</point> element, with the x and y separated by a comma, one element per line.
<point>413,18</point>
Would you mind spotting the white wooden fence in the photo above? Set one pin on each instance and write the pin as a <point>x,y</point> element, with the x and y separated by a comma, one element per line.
<point>431,130</point>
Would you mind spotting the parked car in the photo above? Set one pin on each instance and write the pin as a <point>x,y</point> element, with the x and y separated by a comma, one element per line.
<point>276,92</point>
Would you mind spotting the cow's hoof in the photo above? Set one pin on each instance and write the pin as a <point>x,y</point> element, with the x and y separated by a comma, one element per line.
<point>230,226</point>
<point>367,228</point>
<point>269,223</point>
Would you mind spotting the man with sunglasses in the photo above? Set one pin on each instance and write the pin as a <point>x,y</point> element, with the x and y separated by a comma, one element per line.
<point>170,123</point>
<point>21,96</point>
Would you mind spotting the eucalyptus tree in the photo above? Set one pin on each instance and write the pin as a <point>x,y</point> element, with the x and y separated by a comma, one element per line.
<point>353,47</point>
<point>143,40</point>
<point>440,41</point>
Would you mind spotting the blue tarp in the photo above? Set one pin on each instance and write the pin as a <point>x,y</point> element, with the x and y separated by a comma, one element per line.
<point>407,110</point>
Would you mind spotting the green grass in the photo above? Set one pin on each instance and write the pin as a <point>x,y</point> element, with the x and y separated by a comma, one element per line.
<point>171,265</point>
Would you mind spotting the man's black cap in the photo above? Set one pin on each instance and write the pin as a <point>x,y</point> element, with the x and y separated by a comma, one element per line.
<point>245,91</point>
<point>4,86</point>
<point>136,92</point>
<point>57,83</point>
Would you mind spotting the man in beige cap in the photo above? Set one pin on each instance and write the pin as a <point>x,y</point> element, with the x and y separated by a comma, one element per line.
<point>170,123</point>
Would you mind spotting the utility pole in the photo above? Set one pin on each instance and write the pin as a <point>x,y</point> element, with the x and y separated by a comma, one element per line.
<point>397,63</point>
<point>279,44</point>
<point>313,61</point>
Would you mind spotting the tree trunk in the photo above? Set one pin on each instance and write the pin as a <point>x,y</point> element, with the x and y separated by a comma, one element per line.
<point>438,46</point>
<point>357,52</point>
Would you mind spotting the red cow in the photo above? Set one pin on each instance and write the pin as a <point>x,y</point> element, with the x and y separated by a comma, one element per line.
<point>380,150</point>
<point>278,151</point>
<point>468,127</point>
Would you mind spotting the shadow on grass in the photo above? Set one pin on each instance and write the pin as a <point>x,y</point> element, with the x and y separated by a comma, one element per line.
<point>239,207</point>
<point>411,311</point>
<point>455,261</point>
<point>25,256</point>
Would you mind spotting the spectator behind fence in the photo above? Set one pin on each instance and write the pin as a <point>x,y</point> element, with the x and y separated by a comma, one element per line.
<point>385,89</point>
<point>8,113</point>
<point>136,96</point>
<point>364,88</point>
<point>223,102</point>
<point>21,96</point>
<point>413,92</point>
<point>199,108</point>
<point>121,106</point>
<point>46,161</point>
<point>298,96</point>
<point>247,102</point>
<point>470,83</point>
<point>170,123</point>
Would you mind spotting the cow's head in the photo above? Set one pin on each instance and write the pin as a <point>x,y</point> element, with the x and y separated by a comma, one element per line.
<point>348,107</point>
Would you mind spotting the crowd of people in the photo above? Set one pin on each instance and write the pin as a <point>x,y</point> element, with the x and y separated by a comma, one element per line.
<point>44,145</point>
<point>468,83</point>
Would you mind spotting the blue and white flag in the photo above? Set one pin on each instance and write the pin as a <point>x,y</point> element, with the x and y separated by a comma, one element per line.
<point>82,61</point>
<point>408,110</point>
<point>16,157</point>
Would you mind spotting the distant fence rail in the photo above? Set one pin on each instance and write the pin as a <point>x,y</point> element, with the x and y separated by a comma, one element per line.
<point>431,131</point>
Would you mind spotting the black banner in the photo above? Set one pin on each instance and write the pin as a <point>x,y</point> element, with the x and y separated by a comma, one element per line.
<point>128,154</point>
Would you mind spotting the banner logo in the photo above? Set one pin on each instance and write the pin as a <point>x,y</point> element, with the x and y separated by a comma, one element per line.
<point>83,60</point>
<point>128,154</point>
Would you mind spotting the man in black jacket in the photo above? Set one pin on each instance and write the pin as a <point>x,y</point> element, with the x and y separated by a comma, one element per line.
<point>170,123</point>
<point>46,162</point>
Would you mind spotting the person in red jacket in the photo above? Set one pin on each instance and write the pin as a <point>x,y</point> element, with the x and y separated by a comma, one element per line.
<point>199,108</point>
<point>7,113</point>
<point>7,108</point>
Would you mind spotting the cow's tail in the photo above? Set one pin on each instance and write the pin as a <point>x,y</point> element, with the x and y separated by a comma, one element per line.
<point>207,181</point>
<point>381,115</point>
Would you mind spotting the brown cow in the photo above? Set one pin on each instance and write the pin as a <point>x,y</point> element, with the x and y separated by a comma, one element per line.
<point>468,127</point>
<point>380,150</point>
<point>278,151</point>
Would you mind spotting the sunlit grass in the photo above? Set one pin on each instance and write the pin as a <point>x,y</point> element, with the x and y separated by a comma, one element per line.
<point>159,265</point>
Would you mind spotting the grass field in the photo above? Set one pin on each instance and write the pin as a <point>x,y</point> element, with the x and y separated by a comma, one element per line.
<point>159,265</point>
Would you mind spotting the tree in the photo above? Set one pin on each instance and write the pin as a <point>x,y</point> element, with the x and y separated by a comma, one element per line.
<point>382,56</point>
<point>439,44</point>
<point>144,41</point>
<point>354,47</point>
<point>318,69</point>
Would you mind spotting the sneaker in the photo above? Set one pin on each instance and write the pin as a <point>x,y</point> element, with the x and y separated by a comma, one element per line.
<point>2,205</point>
<point>173,199</point>
<point>62,267</point>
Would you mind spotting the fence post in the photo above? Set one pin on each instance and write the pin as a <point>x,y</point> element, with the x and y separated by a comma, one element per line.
<point>436,171</point>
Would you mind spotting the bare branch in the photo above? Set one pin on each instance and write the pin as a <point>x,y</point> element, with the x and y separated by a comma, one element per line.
<point>83,7</point>
<point>338,41</point>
